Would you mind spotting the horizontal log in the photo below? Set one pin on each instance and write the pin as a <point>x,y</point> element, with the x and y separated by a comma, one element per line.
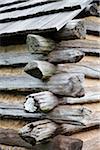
<point>88,98</point>
<point>90,70</point>
<point>40,69</point>
<point>67,84</point>
<point>17,112</point>
<point>19,58</point>
<point>21,83</point>
<point>37,132</point>
<point>75,29</point>
<point>12,138</point>
<point>43,101</point>
<point>39,44</point>
<point>90,51</point>
<point>75,116</point>
<point>65,55</point>
<point>79,43</point>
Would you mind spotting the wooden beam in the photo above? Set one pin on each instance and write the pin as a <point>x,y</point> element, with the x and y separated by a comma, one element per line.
<point>75,29</point>
<point>67,55</point>
<point>18,59</point>
<point>90,70</point>
<point>22,83</point>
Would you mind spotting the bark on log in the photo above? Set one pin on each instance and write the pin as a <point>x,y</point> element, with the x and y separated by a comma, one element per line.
<point>61,142</point>
<point>43,101</point>
<point>67,84</point>
<point>92,10</point>
<point>12,138</point>
<point>90,70</point>
<point>66,55</point>
<point>40,69</point>
<point>39,44</point>
<point>37,132</point>
<point>76,116</point>
<point>75,29</point>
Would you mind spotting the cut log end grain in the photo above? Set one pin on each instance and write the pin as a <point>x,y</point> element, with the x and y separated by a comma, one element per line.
<point>39,44</point>
<point>40,69</point>
<point>43,101</point>
<point>37,132</point>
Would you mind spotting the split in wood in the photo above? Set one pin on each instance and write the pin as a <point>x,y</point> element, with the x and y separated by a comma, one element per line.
<point>67,84</point>
<point>39,44</point>
<point>75,29</point>
<point>90,70</point>
<point>40,69</point>
<point>66,55</point>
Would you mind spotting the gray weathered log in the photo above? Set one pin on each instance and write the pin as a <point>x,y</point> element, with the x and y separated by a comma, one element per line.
<point>90,51</point>
<point>44,101</point>
<point>40,69</point>
<point>21,83</point>
<point>39,131</point>
<point>17,112</point>
<point>39,44</point>
<point>66,114</point>
<point>90,70</point>
<point>12,138</point>
<point>67,84</point>
<point>66,55</point>
<point>91,97</point>
<point>61,142</point>
<point>79,43</point>
<point>75,29</point>
<point>18,59</point>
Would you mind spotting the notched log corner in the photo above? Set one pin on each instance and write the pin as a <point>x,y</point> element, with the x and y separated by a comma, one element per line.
<point>67,55</point>
<point>43,101</point>
<point>39,44</point>
<point>67,84</point>
<point>40,69</point>
<point>38,132</point>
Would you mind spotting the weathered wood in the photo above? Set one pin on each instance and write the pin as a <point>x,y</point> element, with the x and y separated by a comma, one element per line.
<point>91,51</point>
<point>67,84</point>
<point>40,69</point>
<point>90,70</point>
<point>65,55</point>
<point>92,25</point>
<point>39,44</point>
<point>11,137</point>
<point>21,83</point>
<point>44,101</point>
<point>79,43</point>
<point>61,142</point>
<point>88,98</point>
<point>37,132</point>
<point>75,29</point>
<point>17,112</point>
<point>18,59</point>
<point>91,10</point>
